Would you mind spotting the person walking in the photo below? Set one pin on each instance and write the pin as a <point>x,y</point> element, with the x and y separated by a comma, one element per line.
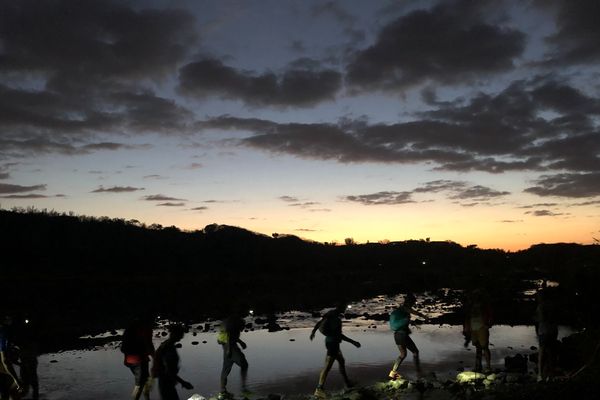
<point>330,325</point>
<point>166,365</point>
<point>400,325</point>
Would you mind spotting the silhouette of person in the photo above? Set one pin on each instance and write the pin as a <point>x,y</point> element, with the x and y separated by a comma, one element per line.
<point>138,348</point>
<point>330,325</point>
<point>10,384</point>
<point>229,338</point>
<point>28,341</point>
<point>400,324</point>
<point>476,328</point>
<point>546,330</point>
<point>165,365</point>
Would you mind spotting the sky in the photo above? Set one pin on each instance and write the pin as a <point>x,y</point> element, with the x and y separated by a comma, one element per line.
<point>471,121</point>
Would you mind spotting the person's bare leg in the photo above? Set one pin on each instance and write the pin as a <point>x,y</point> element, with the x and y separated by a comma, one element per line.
<point>400,358</point>
<point>342,365</point>
<point>417,363</point>
<point>478,352</point>
<point>488,358</point>
<point>325,371</point>
<point>136,393</point>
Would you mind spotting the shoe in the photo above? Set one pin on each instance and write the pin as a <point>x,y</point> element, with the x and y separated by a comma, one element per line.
<point>393,375</point>
<point>320,393</point>
<point>224,395</point>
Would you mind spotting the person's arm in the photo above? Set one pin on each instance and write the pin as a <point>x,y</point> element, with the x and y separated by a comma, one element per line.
<point>185,384</point>
<point>242,343</point>
<point>417,313</point>
<point>347,339</point>
<point>316,328</point>
<point>8,367</point>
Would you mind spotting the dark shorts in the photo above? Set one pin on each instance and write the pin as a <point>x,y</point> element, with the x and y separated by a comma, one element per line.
<point>140,372</point>
<point>402,338</point>
<point>333,347</point>
<point>481,337</point>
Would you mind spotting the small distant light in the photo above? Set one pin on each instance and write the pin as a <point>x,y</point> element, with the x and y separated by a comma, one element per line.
<point>349,306</point>
<point>424,262</point>
<point>251,312</point>
<point>26,321</point>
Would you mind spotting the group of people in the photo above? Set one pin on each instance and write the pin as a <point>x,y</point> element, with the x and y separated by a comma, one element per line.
<point>138,348</point>
<point>478,321</point>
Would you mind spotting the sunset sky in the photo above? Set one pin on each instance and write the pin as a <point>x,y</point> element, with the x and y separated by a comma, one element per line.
<point>471,121</point>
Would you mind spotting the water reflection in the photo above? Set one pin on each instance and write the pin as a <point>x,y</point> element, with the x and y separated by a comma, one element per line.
<point>282,362</point>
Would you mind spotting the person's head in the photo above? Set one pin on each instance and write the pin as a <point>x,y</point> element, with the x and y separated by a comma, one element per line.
<point>409,300</point>
<point>341,306</point>
<point>176,332</point>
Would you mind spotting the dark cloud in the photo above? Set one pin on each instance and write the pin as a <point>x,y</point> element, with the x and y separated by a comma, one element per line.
<point>161,197</point>
<point>7,188</point>
<point>306,230</point>
<point>4,175</point>
<point>456,190</point>
<point>95,41</point>
<point>171,204</point>
<point>479,192</point>
<point>320,210</point>
<point>544,213</point>
<point>379,198</point>
<point>154,176</point>
<point>88,62</point>
<point>305,204</point>
<point>38,144</point>
<point>293,87</point>
<point>25,196</point>
<point>511,221</point>
<point>567,185</point>
<point>449,43</point>
<point>578,33</point>
<point>288,199</point>
<point>537,205</point>
<point>440,185</point>
<point>201,208</point>
<point>495,133</point>
<point>116,189</point>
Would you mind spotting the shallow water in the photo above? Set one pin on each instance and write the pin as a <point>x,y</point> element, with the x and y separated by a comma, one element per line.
<point>277,364</point>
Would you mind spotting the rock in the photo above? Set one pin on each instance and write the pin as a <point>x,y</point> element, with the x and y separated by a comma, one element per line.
<point>178,345</point>
<point>194,343</point>
<point>470,377</point>
<point>204,341</point>
<point>533,348</point>
<point>292,340</point>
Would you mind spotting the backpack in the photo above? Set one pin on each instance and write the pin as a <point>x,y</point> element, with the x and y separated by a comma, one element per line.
<point>399,319</point>
<point>131,343</point>
<point>331,326</point>
<point>222,336</point>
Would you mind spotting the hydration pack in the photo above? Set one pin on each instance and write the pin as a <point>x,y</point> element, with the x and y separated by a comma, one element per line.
<point>399,319</point>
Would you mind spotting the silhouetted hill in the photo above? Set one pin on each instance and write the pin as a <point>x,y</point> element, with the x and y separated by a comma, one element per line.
<point>109,269</point>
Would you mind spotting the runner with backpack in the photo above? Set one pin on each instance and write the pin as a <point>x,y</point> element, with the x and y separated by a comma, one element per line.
<point>331,326</point>
<point>229,338</point>
<point>137,347</point>
<point>399,324</point>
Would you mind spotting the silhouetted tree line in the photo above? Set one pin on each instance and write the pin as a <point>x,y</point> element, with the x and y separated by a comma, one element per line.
<point>103,270</point>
